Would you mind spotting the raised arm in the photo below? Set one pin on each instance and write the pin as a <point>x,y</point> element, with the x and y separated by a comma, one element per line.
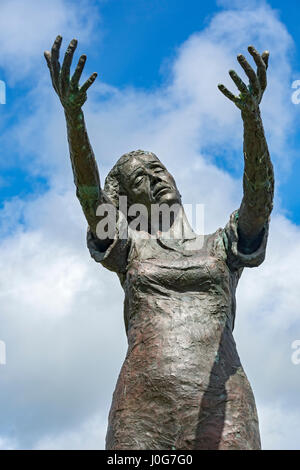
<point>258,180</point>
<point>72,97</point>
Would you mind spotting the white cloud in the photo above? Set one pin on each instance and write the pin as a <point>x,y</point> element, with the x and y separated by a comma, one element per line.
<point>281,427</point>
<point>7,444</point>
<point>61,314</point>
<point>90,436</point>
<point>28,28</point>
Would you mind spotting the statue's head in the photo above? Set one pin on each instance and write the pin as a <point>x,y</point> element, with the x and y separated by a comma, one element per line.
<point>141,177</point>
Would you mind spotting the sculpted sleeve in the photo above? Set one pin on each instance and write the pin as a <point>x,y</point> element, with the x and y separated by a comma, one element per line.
<point>115,256</point>
<point>236,258</point>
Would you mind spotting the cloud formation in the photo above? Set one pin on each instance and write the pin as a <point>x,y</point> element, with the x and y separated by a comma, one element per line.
<point>27,27</point>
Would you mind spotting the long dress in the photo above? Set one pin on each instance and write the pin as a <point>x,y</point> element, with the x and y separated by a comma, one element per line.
<point>182,385</point>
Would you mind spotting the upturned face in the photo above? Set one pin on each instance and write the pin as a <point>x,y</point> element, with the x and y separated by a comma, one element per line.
<point>147,182</point>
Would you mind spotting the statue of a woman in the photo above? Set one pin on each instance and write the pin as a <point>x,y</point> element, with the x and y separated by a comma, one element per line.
<point>182,385</point>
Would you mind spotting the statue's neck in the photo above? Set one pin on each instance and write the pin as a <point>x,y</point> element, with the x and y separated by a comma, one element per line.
<point>176,227</point>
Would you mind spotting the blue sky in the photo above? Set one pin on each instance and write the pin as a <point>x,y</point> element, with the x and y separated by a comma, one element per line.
<point>133,45</point>
<point>159,63</point>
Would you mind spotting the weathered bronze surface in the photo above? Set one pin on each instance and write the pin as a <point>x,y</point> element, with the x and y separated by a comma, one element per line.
<point>182,385</point>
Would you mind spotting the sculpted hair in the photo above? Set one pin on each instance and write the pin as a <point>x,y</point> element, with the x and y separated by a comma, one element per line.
<point>115,182</point>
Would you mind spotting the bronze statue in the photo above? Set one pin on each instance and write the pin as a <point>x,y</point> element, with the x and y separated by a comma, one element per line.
<point>182,385</point>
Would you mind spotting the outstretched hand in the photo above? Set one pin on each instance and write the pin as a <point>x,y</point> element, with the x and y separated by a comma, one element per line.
<point>71,95</point>
<point>250,96</point>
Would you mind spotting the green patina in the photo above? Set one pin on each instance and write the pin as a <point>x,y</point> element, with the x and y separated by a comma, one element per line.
<point>255,185</point>
<point>88,192</point>
<point>225,240</point>
<point>242,96</point>
<point>88,197</point>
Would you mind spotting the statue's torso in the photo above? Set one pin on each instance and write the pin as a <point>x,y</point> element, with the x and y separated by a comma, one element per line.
<point>182,376</point>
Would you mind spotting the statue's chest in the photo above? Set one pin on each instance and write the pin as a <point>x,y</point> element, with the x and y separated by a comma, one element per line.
<point>159,268</point>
